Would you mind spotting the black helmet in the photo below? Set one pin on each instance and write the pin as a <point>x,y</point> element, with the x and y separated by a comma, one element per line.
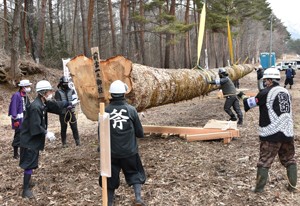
<point>63,82</point>
<point>222,72</point>
<point>63,79</point>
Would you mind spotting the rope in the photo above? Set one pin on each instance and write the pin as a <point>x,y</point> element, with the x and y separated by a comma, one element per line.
<point>69,120</point>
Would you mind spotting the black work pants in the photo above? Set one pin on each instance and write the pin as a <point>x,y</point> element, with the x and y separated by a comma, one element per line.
<point>70,118</point>
<point>132,168</point>
<point>232,101</point>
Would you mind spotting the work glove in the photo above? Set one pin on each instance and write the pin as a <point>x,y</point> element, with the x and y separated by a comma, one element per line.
<point>75,101</point>
<point>241,95</point>
<point>50,136</point>
<point>16,124</point>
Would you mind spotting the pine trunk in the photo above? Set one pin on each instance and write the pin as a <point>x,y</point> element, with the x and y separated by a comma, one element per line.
<point>148,86</point>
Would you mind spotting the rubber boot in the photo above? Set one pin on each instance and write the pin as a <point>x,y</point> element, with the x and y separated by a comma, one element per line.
<point>290,86</point>
<point>240,122</point>
<point>261,179</point>
<point>292,176</point>
<point>26,188</point>
<point>64,140</point>
<point>110,194</point>
<point>138,197</point>
<point>76,136</point>
<point>77,141</point>
<point>16,154</point>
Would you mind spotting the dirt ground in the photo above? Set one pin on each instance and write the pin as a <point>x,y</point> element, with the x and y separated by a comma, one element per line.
<point>178,172</point>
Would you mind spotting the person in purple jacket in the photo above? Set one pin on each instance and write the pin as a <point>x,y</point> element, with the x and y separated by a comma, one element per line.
<point>17,108</point>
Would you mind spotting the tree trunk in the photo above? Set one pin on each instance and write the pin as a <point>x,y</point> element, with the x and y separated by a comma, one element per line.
<point>84,29</point>
<point>41,31</point>
<point>6,41</point>
<point>15,73</point>
<point>112,28</point>
<point>124,21</point>
<point>148,86</point>
<point>161,56</point>
<point>74,26</point>
<point>51,24</point>
<point>187,54</point>
<point>26,38</point>
<point>90,21</point>
<point>142,34</point>
<point>30,22</point>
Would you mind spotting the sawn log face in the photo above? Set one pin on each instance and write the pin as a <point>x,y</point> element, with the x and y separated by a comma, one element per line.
<point>148,86</point>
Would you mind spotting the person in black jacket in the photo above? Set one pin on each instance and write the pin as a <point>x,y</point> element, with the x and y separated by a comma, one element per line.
<point>125,127</point>
<point>64,93</point>
<point>229,92</point>
<point>276,131</point>
<point>34,131</point>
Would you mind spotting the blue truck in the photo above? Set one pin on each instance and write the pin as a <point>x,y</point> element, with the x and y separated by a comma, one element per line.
<point>265,59</point>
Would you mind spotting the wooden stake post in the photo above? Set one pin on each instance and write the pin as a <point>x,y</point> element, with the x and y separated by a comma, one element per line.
<point>104,127</point>
<point>105,159</point>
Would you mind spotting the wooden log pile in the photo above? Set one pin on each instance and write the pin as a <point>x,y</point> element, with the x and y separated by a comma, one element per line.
<point>148,86</point>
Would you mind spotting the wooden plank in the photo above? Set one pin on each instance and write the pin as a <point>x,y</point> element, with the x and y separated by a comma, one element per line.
<point>218,124</point>
<point>226,140</point>
<point>98,72</point>
<point>184,130</point>
<point>208,136</point>
<point>105,155</point>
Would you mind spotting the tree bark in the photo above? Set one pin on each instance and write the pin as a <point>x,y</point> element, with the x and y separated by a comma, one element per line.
<point>41,31</point>
<point>51,24</point>
<point>74,26</point>
<point>148,86</point>
<point>15,73</point>
<point>84,28</point>
<point>187,55</point>
<point>124,22</point>
<point>30,23</point>
<point>142,34</point>
<point>6,41</point>
<point>90,21</point>
<point>25,29</point>
<point>112,28</point>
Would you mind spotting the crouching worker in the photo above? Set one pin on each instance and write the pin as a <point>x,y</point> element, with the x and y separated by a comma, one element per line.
<point>34,131</point>
<point>275,129</point>
<point>229,92</point>
<point>125,127</point>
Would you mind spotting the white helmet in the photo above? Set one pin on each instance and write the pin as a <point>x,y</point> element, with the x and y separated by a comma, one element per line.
<point>43,85</point>
<point>118,87</point>
<point>24,83</point>
<point>271,73</point>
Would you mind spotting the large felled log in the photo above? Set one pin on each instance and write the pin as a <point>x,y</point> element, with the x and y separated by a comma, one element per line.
<point>148,86</point>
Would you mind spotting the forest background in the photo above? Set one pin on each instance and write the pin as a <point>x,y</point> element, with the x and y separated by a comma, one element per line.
<point>157,33</point>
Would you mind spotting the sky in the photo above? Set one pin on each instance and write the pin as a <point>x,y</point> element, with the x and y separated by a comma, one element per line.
<point>288,12</point>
